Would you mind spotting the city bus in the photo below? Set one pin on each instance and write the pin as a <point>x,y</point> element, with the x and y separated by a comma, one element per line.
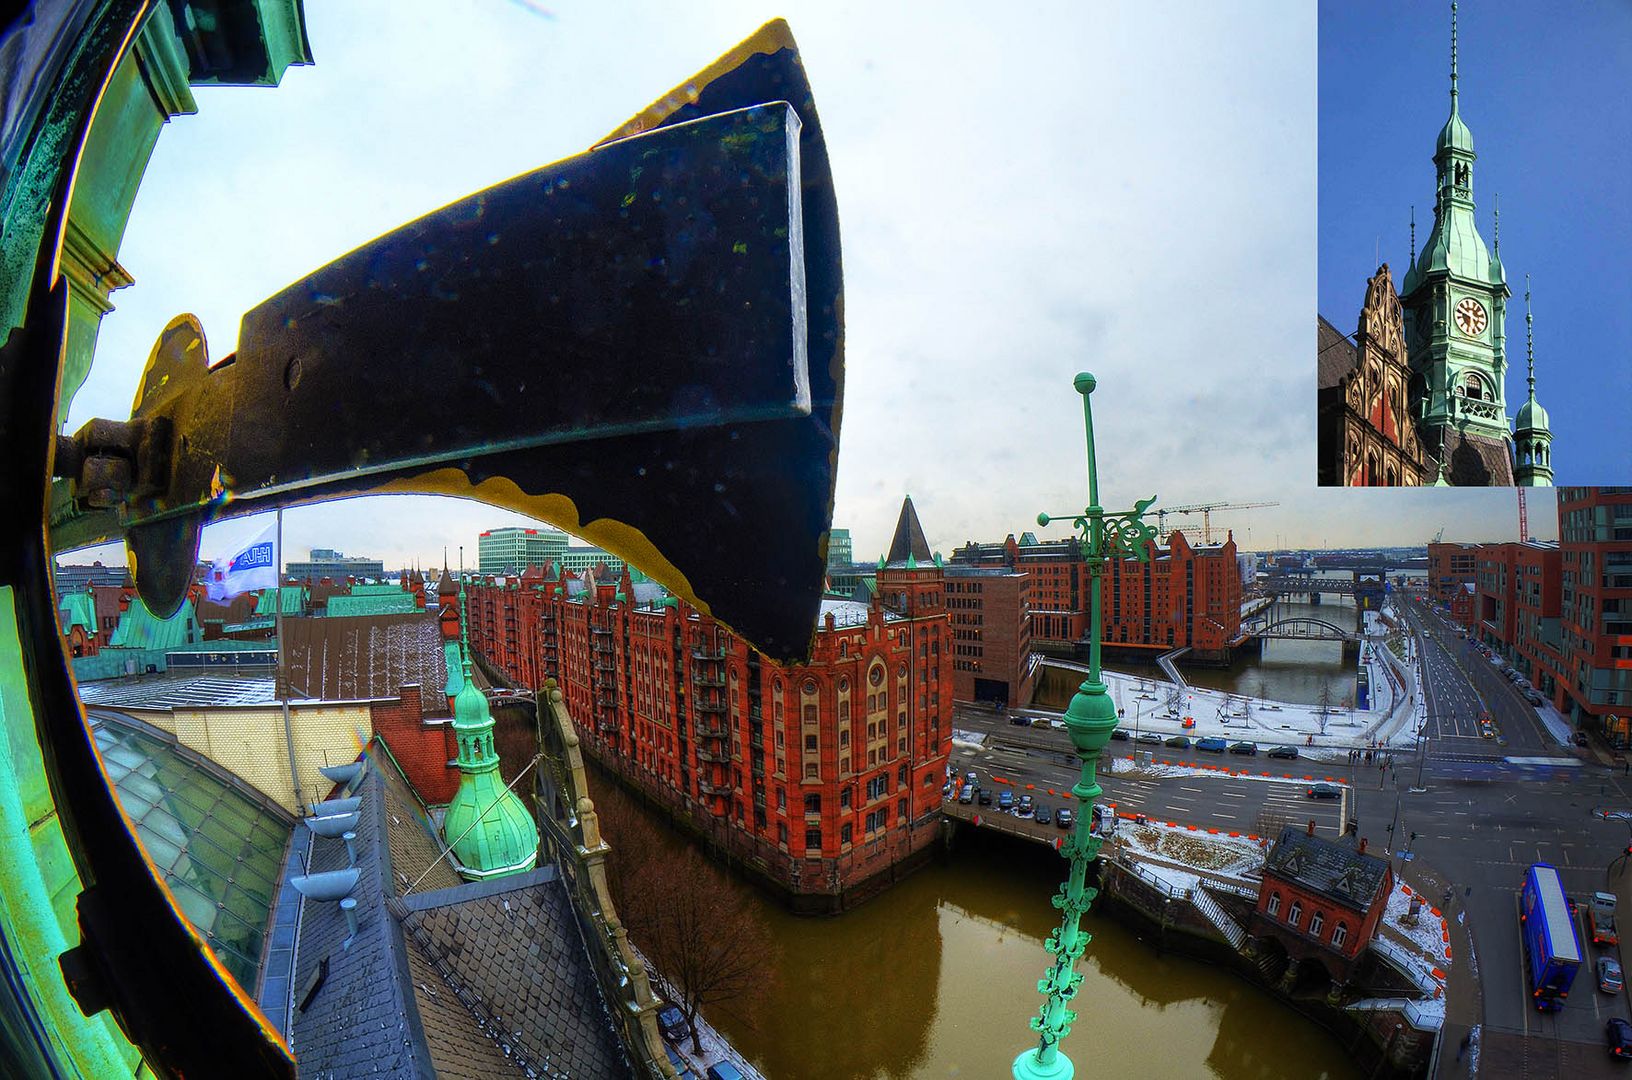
<point>1552,948</point>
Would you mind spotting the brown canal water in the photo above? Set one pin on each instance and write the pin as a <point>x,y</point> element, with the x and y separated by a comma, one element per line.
<point>937,977</point>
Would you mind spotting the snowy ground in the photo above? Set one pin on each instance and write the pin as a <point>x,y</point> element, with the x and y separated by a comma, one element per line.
<point>1297,775</point>
<point>1230,855</point>
<point>1396,711</point>
<point>1421,946</point>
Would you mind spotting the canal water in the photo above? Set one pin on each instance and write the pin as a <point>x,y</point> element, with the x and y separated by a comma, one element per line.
<point>937,978</point>
<point>1294,671</point>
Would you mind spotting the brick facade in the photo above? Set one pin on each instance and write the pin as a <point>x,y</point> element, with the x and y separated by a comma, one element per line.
<point>1321,899</point>
<point>1183,597</point>
<point>820,775</point>
<point>423,746</point>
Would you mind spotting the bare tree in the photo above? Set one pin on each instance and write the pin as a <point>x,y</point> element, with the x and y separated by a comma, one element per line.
<point>1325,705</point>
<point>1175,700</point>
<point>703,932</point>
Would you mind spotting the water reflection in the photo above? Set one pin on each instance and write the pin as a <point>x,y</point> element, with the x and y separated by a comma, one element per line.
<point>937,978</point>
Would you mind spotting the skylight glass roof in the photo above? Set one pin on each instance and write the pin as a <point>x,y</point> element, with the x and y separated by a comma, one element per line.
<point>214,841</point>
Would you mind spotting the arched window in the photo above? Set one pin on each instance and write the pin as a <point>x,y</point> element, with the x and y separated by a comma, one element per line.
<point>1473,388</point>
<point>1316,921</point>
<point>1340,934</point>
<point>1274,903</point>
<point>1294,916</point>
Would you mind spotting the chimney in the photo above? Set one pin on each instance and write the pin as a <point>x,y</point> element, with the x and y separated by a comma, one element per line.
<point>349,906</point>
<point>1311,826</point>
<point>1362,845</point>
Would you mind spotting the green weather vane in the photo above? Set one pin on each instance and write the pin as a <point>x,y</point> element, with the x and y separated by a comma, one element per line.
<point>1089,720</point>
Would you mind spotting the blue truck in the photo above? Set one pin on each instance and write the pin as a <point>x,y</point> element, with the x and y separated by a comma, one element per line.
<point>1552,948</point>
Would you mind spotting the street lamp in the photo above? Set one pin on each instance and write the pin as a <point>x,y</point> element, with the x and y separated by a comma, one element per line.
<point>1089,720</point>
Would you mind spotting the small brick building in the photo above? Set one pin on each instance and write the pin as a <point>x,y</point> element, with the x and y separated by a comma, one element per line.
<point>1321,900</point>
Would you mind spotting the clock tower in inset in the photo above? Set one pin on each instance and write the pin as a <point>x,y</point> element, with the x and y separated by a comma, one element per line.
<point>1455,300</point>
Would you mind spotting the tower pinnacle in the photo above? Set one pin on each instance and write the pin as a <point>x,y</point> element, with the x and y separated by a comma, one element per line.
<point>1453,57</point>
<point>1529,338</point>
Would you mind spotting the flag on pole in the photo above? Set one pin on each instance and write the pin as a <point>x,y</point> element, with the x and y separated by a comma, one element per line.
<point>255,566</point>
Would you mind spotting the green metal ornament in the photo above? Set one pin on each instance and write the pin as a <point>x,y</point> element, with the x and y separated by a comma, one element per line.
<point>1089,720</point>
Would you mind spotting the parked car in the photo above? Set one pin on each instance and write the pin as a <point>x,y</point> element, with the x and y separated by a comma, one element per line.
<point>1178,742</point>
<point>1290,752</point>
<point>1149,737</point>
<point>671,1023</point>
<point>971,779</point>
<point>1005,800</point>
<point>724,1070</point>
<point>1020,720</point>
<point>1324,790</point>
<point>1120,735</point>
<point>1579,738</point>
<point>984,797</point>
<point>1534,698</point>
<point>1063,818</point>
<point>1045,816</point>
<point>1025,809</point>
<point>967,795</point>
<point>1610,979</point>
<point>1244,747</point>
<point>1619,1035</point>
<point>1212,745</point>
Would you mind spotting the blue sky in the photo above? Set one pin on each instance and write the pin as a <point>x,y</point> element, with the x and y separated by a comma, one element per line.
<point>1543,88</point>
<point>1023,194</point>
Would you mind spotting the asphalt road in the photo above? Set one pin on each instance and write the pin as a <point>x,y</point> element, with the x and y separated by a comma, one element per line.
<point>1480,820</point>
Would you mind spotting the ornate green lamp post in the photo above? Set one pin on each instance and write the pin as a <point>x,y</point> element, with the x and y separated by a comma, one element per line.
<point>1090,719</point>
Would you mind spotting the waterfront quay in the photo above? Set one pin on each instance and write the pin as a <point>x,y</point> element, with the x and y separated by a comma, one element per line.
<point>1461,818</point>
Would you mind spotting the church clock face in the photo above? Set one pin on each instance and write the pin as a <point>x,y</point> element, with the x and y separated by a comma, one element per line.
<point>1470,317</point>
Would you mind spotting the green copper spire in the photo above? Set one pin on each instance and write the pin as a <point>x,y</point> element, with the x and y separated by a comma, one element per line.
<point>1532,438</point>
<point>1455,299</point>
<point>1089,720</point>
<point>487,827</point>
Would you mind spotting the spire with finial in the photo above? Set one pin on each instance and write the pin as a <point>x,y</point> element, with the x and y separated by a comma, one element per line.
<point>1453,56</point>
<point>1413,260</point>
<point>1529,338</point>
<point>1496,236</point>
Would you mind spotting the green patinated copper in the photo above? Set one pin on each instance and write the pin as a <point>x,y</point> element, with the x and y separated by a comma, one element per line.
<point>1458,361</point>
<point>1089,720</point>
<point>487,826</point>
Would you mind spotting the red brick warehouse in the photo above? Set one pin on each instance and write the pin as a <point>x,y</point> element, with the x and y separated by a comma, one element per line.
<point>824,778</point>
<point>1184,596</point>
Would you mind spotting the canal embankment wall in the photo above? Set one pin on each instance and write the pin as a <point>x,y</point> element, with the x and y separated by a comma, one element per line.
<point>1381,1039</point>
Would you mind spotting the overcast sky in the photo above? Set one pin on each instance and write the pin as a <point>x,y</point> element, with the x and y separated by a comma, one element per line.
<point>1534,86</point>
<point>1024,192</point>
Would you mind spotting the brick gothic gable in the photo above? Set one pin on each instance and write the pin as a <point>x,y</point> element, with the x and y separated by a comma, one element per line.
<point>1368,436</point>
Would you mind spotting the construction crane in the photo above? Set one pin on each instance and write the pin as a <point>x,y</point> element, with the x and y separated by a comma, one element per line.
<point>1440,535</point>
<point>1206,512</point>
<point>1524,518</point>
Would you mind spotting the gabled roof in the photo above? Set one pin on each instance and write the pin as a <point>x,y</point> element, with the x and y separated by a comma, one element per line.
<point>1334,870</point>
<point>488,978</point>
<point>293,600</point>
<point>78,609</point>
<point>1478,460</point>
<point>908,544</point>
<point>370,656</point>
<point>139,628</point>
<point>1336,353</point>
<point>391,602</point>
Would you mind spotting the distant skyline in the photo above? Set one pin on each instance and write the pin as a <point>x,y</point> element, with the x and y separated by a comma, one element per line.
<point>1143,210</point>
<point>1542,88</point>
